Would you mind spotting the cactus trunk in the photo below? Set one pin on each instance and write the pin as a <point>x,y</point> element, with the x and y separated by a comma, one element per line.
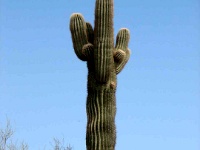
<point>104,62</point>
<point>101,109</point>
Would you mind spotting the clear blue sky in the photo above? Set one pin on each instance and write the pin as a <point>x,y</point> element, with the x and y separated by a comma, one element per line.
<point>43,83</point>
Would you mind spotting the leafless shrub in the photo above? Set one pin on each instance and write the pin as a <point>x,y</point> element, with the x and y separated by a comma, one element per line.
<point>60,145</point>
<point>5,135</point>
<point>6,141</point>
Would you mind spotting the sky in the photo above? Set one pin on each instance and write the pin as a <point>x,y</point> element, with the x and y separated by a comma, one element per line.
<point>43,84</point>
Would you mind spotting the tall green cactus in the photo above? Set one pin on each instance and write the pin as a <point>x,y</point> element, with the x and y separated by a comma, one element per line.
<point>104,61</point>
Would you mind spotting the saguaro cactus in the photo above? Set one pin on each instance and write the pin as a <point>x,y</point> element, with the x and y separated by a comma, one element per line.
<point>104,61</point>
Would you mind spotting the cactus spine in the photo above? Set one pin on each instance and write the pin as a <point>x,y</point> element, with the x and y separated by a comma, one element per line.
<point>104,62</point>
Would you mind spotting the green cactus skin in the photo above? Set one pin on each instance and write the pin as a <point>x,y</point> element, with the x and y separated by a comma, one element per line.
<point>104,62</point>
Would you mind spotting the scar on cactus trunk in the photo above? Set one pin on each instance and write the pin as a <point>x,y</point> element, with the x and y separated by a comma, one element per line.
<point>104,62</point>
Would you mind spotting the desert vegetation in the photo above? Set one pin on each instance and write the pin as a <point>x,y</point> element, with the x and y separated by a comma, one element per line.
<point>8,143</point>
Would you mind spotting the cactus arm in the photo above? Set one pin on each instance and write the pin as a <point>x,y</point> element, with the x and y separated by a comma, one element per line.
<point>103,39</point>
<point>121,53</point>
<point>79,34</point>
<point>119,56</point>
<point>90,33</point>
<point>120,65</point>
<point>87,51</point>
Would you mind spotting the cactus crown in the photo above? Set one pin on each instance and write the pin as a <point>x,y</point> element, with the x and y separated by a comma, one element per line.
<point>98,44</point>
